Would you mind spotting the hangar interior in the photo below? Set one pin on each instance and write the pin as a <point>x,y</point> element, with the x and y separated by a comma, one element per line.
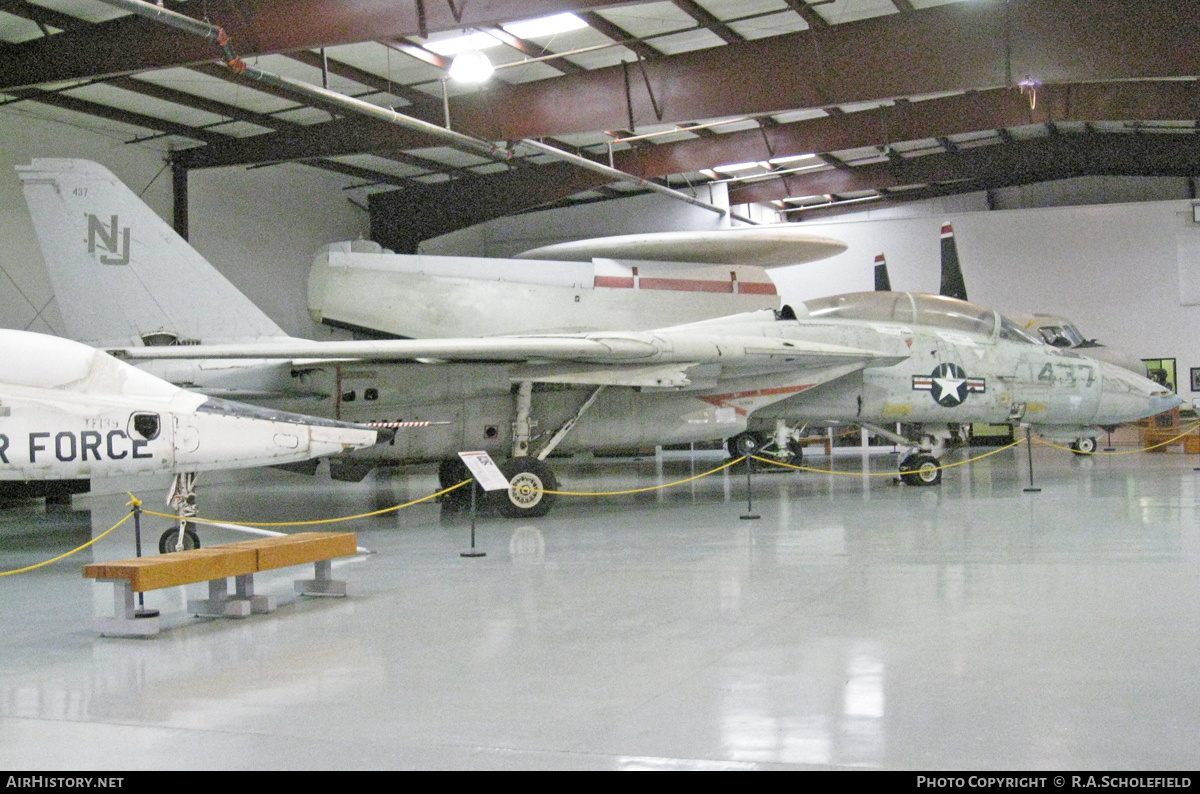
<point>857,623</point>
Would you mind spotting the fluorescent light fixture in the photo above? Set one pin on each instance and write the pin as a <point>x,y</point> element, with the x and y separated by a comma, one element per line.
<point>790,159</point>
<point>471,66</point>
<point>546,26</point>
<point>734,167</point>
<point>470,41</point>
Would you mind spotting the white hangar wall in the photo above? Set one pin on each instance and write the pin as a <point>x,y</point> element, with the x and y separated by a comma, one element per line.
<point>259,227</point>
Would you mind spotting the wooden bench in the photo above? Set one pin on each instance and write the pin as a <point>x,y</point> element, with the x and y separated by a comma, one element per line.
<point>215,565</point>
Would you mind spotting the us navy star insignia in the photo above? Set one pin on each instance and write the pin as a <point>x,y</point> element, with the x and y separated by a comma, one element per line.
<point>949,385</point>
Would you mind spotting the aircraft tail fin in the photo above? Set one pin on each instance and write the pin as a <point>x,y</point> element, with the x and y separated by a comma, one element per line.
<point>882,282</point>
<point>953,285</point>
<point>120,273</point>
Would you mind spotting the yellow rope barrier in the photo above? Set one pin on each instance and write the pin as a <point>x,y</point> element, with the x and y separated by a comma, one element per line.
<point>1125,451</point>
<point>392,509</point>
<point>72,551</point>
<point>887,473</point>
<point>648,487</point>
<point>136,503</point>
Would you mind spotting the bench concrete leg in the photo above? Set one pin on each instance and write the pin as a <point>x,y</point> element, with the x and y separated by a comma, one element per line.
<point>126,623</point>
<point>324,584</point>
<point>219,604</point>
<point>244,591</point>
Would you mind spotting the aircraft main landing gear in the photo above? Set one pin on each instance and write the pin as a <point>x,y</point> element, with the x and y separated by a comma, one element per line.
<point>528,481</point>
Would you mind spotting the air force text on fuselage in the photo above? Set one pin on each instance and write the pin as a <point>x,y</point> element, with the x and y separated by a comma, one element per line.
<point>67,446</point>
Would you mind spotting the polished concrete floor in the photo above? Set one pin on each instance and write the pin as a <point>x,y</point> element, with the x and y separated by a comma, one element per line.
<point>858,623</point>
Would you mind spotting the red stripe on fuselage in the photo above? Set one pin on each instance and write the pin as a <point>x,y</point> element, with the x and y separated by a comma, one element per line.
<point>719,400</point>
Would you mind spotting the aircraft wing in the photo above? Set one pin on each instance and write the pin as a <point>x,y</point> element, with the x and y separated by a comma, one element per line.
<point>765,246</point>
<point>624,349</point>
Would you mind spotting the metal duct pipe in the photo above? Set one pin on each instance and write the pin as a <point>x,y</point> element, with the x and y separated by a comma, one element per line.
<point>325,96</point>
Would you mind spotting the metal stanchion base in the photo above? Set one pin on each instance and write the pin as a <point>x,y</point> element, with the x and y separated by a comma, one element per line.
<point>145,613</point>
<point>749,516</point>
<point>1032,490</point>
<point>472,554</point>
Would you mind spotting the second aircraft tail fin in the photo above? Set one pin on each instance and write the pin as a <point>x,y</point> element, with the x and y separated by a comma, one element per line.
<point>953,285</point>
<point>121,275</point>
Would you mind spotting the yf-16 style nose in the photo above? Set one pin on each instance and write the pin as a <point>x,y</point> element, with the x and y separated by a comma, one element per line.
<point>1126,397</point>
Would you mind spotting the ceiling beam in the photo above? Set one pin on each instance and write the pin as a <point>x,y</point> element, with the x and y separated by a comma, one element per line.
<point>618,33</point>
<point>131,44</point>
<point>532,50</point>
<point>973,112</point>
<point>808,13</point>
<point>423,105</point>
<point>976,111</point>
<point>706,19</point>
<point>66,101</point>
<point>342,136</point>
<point>962,46</point>
<point>1018,163</point>
<point>42,15</point>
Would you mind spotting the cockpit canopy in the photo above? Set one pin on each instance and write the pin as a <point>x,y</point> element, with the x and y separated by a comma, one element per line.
<point>917,309</point>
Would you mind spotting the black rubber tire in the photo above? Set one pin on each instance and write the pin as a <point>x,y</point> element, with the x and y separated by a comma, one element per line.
<point>743,444</point>
<point>168,540</point>
<point>1085,445</point>
<point>525,498</point>
<point>921,470</point>
<point>795,454</point>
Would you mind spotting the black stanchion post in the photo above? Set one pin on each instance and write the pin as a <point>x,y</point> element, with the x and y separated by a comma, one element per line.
<point>141,611</point>
<point>1109,448</point>
<point>1029,449</point>
<point>750,514</point>
<point>473,552</point>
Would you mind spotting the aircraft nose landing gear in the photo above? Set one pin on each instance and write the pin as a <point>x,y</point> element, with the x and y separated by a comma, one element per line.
<point>1085,445</point>
<point>183,536</point>
<point>920,468</point>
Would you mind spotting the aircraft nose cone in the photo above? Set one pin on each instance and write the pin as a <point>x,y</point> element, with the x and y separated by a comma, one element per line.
<point>1126,397</point>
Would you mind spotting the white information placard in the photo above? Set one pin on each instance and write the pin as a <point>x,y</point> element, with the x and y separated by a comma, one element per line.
<point>484,470</point>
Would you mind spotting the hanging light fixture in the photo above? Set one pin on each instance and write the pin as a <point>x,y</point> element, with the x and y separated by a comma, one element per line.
<point>470,66</point>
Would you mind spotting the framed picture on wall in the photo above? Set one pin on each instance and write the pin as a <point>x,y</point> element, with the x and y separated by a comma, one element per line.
<point>1162,370</point>
<point>1195,378</point>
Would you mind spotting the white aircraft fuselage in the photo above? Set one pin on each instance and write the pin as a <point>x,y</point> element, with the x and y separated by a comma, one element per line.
<point>360,286</point>
<point>68,411</point>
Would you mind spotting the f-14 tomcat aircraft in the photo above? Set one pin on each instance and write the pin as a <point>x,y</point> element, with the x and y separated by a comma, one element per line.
<point>69,411</point>
<point>871,359</point>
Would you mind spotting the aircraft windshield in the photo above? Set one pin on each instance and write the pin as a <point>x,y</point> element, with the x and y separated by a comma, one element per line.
<point>904,307</point>
<point>1061,335</point>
